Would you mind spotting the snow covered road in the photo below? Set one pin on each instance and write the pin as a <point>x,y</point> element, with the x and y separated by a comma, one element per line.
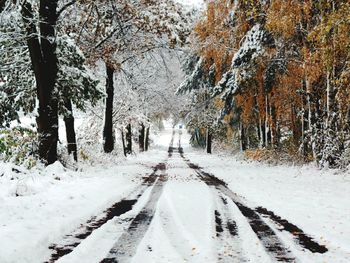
<point>174,211</point>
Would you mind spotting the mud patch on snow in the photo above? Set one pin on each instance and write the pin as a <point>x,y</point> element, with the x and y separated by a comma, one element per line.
<point>218,222</point>
<point>304,240</point>
<point>116,210</point>
<point>232,227</point>
<point>128,242</point>
<point>266,235</point>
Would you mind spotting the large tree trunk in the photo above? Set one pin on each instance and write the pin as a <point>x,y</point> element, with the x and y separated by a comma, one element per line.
<point>209,141</point>
<point>108,134</point>
<point>2,5</point>
<point>70,131</point>
<point>142,138</point>
<point>128,137</point>
<point>45,66</point>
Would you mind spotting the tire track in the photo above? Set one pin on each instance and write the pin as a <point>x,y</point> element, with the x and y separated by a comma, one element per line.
<point>128,242</point>
<point>228,242</point>
<point>74,239</point>
<point>273,246</point>
<point>266,235</point>
<point>304,240</point>
<point>253,215</point>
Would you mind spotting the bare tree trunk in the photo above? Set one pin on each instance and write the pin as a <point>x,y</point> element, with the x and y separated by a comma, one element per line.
<point>311,122</point>
<point>147,139</point>
<point>242,138</point>
<point>261,133</point>
<point>294,125</point>
<point>2,5</point>
<point>209,141</point>
<point>45,65</point>
<point>123,141</point>
<point>108,134</point>
<point>70,131</point>
<point>274,127</point>
<point>266,120</point>
<point>142,138</point>
<point>128,137</point>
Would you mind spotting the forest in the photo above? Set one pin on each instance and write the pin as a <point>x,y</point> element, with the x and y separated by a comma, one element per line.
<point>276,76</point>
<point>270,78</point>
<point>117,62</point>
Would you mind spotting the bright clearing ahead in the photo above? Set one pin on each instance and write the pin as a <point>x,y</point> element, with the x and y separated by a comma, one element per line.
<point>191,2</point>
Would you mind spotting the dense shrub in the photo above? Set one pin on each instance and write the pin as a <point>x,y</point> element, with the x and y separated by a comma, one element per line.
<point>18,145</point>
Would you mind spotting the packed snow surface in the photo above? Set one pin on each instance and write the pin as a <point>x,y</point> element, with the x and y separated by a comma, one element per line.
<point>179,215</point>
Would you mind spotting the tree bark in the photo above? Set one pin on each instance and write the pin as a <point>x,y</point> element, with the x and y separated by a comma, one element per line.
<point>209,141</point>
<point>266,120</point>
<point>142,138</point>
<point>45,65</point>
<point>128,137</point>
<point>303,120</point>
<point>274,133</point>
<point>2,5</point>
<point>123,141</point>
<point>147,139</point>
<point>243,138</point>
<point>70,131</point>
<point>294,126</point>
<point>108,134</point>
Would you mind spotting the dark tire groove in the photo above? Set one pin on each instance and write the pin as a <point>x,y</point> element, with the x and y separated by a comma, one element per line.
<point>257,224</point>
<point>85,230</point>
<point>232,227</point>
<point>304,240</point>
<point>228,243</point>
<point>262,230</point>
<point>218,221</point>
<point>266,235</point>
<point>230,224</point>
<point>127,243</point>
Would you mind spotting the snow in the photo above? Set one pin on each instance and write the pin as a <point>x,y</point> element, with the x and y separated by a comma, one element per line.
<point>191,3</point>
<point>316,201</point>
<point>55,201</point>
<point>251,48</point>
<point>40,207</point>
<point>182,227</point>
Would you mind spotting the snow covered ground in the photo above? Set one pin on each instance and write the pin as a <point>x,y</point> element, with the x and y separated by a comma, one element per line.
<point>316,201</point>
<point>179,213</point>
<point>38,208</point>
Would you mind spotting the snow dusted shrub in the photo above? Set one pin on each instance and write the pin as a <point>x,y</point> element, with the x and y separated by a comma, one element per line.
<point>259,155</point>
<point>344,160</point>
<point>287,154</point>
<point>18,145</point>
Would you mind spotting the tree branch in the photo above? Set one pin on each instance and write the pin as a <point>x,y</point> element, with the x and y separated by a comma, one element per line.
<point>64,7</point>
